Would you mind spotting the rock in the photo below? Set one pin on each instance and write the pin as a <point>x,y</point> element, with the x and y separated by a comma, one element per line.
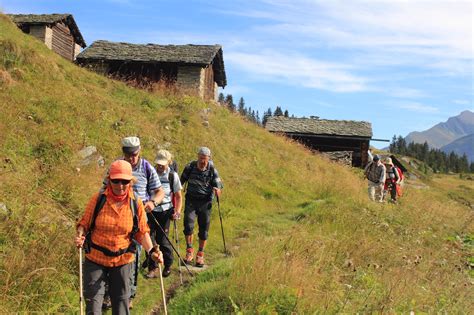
<point>4,211</point>
<point>90,155</point>
<point>205,123</point>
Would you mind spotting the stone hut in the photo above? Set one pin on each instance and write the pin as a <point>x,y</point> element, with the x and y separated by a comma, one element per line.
<point>199,68</point>
<point>339,138</point>
<point>58,31</point>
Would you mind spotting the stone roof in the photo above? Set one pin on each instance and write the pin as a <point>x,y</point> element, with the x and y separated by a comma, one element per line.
<point>315,126</point>
<point>201,55</point>
<point>50,19</point>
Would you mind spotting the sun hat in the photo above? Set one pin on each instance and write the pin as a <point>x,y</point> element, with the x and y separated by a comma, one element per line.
<point>130,145</point>
<point>120,169</point>
<point>163,157</point>
<point>388,161</point>
<point>204,151</point>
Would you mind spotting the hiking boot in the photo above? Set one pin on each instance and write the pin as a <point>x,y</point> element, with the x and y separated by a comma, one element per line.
<point>189,256</point>
<point>107,303</point>
<point>152,273</point>
<point>200,259</point>
<point>166,271</point>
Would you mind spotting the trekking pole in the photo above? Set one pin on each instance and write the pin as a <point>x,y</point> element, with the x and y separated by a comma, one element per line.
<point>81,297</point>
<point>172,246</point>
<point>162,289</point>
<point>177,245</point>
<point>222,226</point>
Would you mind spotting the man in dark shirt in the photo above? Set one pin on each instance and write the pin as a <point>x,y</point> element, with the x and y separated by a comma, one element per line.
<point>203,182</point>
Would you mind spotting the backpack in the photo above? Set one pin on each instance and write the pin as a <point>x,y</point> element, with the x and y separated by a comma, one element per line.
<point>400,175</point>
<point>107,252</point>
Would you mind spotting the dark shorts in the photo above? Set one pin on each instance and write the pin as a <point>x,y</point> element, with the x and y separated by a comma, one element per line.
<point>201,209</point>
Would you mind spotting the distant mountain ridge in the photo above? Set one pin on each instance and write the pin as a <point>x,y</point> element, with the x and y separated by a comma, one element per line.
<point>464,145</point>
<point>445,132</point>
<point>456,134</point>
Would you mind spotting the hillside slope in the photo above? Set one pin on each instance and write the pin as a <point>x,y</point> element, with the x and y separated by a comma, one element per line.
<point>302,235</point>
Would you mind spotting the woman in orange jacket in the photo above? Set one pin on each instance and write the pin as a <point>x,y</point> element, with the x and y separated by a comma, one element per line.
<point>112,222</point>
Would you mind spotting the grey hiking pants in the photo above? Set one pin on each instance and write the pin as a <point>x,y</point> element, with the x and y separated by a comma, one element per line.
<point>94,279</point>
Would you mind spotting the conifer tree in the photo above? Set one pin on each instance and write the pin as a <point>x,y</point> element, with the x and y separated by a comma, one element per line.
<point>229,100</point>
<point>266,114</point>
<point>278,111</point>
<point>221,99</point>
<point>241,107</point>
<point>286,114</point>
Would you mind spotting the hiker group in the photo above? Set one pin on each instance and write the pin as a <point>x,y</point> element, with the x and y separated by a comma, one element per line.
<point>134,209</point>
<point>384,179</point>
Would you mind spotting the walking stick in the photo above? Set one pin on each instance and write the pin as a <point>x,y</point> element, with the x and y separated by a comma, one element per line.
<point>222,226</point>
<point>172,246</point>
<point>162,290</point>
<point>177,245</point>
<point>81,297</point>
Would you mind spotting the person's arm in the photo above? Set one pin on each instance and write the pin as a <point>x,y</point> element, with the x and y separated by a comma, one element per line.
<point>383,175</point>
<point>185,174</point>
<point>155,189</point>
<point>217,183</point>
<point>152,251</point>
<point>83,223</point>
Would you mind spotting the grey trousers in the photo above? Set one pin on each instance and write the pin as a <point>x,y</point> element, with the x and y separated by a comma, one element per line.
<point>94,279</point>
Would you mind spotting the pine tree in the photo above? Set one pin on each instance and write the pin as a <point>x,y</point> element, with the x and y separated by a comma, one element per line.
<point>241,107</point>
<point>257,118</point>
<point>229,100</point>
<point>221,99</point>
<point>266,114</point>
<point>286,114</point>
<point>278,111</point>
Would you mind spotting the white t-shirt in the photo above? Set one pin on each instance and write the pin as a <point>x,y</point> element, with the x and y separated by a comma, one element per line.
<point>165,183</point>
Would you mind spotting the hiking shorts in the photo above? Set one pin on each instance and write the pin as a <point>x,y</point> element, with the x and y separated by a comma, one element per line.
<point>201,209</point>
<point>95,277</point>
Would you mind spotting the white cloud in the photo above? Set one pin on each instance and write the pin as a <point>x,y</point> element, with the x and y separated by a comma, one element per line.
<point>462,102</point>
<point>405,93</point>
<point>298,70</point>
<point>417,107</point>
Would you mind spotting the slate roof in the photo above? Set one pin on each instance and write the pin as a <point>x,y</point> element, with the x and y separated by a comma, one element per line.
<point>314,126</point>
<point>201,55</point>
<point>50,19</point>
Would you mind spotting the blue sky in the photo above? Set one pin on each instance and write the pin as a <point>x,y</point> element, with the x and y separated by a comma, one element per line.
<point>401,65</point>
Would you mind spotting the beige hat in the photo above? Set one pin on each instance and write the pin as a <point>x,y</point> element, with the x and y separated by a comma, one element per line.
<point>163,157</point>
<point>388,161</point>
<point>130,145</point>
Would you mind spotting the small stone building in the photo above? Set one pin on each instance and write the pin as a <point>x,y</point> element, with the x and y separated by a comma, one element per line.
<point>58,31</point>
<point>198,68</point>
<point>339,138</point>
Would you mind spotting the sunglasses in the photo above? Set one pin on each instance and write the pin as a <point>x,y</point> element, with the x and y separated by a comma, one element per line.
<point>120,181</point>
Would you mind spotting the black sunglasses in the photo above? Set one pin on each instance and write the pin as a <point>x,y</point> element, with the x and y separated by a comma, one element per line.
<point>123,181</point>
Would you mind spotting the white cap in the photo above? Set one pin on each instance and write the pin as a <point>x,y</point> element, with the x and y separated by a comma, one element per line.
<point>130,145</point>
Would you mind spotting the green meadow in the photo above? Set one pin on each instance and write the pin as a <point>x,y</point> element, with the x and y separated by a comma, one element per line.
<point>302,236</point>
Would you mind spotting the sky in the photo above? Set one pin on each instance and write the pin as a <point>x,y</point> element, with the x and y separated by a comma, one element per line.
<point>403,66</point>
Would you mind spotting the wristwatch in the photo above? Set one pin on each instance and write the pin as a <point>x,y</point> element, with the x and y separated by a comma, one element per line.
<point>156,204</point>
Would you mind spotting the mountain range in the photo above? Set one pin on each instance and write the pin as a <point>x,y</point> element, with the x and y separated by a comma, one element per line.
<point>456,134</point>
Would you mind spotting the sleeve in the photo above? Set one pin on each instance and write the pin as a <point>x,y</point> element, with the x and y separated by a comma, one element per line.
<point>185,174</point>
<point>85,221</point>
<point>177,183</point>
<point>153,179</point>
<point>143,227</point>
<point>217,182</point>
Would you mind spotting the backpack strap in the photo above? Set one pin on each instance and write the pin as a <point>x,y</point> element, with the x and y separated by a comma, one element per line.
<point>107,252</point>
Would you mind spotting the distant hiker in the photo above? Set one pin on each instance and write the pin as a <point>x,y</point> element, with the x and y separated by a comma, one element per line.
<point>375,173</point>
<point>147,187</point>
<point>203,182</point>
<point>168,209</point>
<point>392,180</point>
<point>111,224</point>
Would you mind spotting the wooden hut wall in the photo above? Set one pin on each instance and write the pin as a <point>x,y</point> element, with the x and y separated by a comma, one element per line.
<point>142,72</point>
<point>208,83</point>
<point>330,144</point>
<point>63,41</point>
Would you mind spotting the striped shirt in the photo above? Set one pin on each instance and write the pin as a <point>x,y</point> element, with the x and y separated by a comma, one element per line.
<point>112,229</point>
<point>165,182</point>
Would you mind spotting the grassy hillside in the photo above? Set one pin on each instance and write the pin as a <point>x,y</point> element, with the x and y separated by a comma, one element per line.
<point>302,235</point>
